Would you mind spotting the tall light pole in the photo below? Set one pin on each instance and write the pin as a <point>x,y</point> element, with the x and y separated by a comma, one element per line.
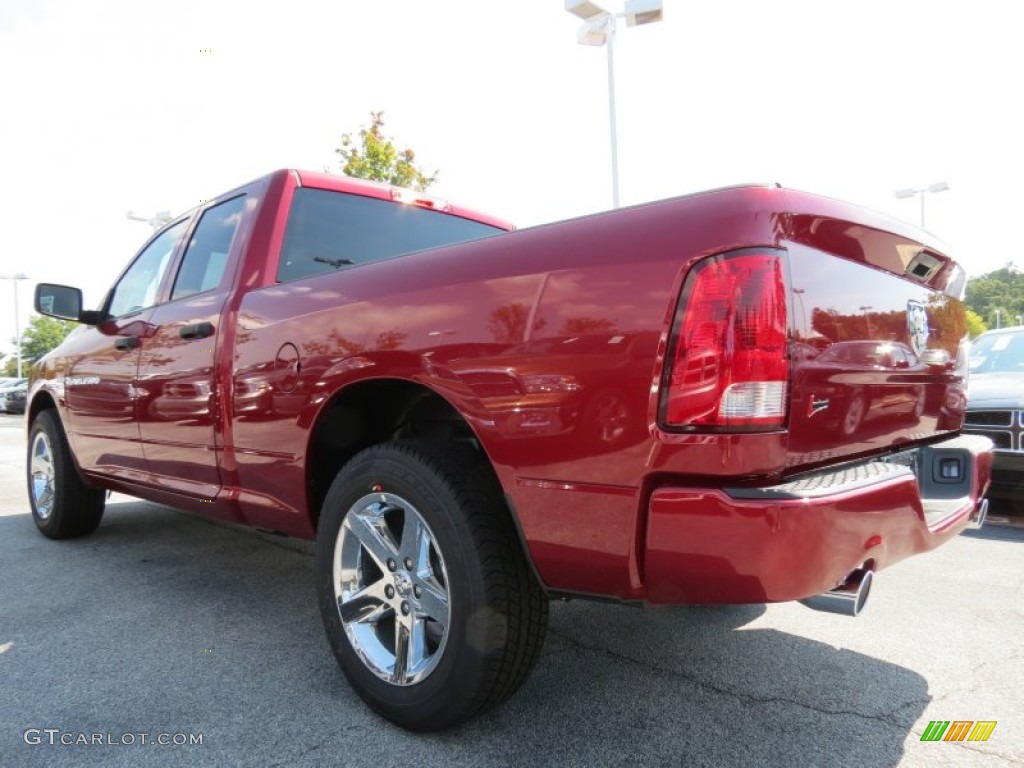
<point>14,278</point>
<point>598,29</point>
<point>803,310</point>
<point>156,221</point>
<point>867,318</point>
<point>939,186</point>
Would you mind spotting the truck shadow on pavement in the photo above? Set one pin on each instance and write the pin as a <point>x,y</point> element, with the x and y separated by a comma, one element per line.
<point>690,686</point>
<point>164,622</point>
<point>1013,531</point>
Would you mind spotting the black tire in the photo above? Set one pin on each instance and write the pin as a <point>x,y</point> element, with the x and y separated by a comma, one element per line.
<point>495,611</point>
<point>63,506</point>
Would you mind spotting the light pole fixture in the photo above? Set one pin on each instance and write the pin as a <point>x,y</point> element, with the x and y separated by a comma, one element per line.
<point>939,186</point>
<point>599,29</point>
<point>14,278</point>
<point>799,292</point>
<point>867,317</point>
<point>156,221</point>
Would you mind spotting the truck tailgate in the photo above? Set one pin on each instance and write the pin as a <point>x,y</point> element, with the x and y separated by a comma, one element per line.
<point>876,333</point>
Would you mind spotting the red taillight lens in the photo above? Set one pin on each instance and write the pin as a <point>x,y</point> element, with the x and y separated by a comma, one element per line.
<point>728,366</point>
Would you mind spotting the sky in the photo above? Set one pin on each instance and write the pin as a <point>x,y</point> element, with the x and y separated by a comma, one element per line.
<point>116,105</point>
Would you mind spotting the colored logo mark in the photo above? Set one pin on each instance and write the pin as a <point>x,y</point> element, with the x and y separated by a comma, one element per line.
<point>958,730</point>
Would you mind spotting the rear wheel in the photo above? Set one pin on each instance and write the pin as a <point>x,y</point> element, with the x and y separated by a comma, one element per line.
<point>854,414</point>
<point>63,506</point>
<point>429,604</point>
<point>919,395</point>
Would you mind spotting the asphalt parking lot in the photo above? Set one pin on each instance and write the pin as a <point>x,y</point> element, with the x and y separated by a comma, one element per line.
<point>166,625</point>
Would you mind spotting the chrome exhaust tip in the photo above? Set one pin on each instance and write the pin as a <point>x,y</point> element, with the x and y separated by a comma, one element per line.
<point>977,519</point>
<point>848,599</point>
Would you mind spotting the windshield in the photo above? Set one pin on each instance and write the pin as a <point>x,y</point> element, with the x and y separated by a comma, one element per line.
<point>998,353</point>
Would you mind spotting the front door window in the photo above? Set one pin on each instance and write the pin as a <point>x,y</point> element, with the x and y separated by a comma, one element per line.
<point>138,287</point>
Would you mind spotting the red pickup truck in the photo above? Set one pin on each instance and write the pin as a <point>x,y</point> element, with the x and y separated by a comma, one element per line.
<point>746,395</point>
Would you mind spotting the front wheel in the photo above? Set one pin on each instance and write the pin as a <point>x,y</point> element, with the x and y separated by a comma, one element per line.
<point>428,602</point>
<point>63,506</point>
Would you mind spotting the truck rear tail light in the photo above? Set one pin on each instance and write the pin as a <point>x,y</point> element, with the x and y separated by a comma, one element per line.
<point>728,365</point>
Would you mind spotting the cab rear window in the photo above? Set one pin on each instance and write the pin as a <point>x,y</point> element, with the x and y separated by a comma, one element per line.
<point>328,231</point>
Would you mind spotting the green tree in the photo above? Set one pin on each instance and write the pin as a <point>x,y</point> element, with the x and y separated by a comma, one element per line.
<point>40,336</point>
<point>507,323</point>
<point>580,326</point>
<point>1002,290</point>
<point>975,324</point>
<point>376,157</point>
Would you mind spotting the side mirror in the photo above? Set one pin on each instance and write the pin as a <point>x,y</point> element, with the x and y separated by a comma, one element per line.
<point>62,302</point>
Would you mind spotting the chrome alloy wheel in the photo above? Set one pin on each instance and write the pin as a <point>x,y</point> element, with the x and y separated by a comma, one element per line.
<point>391,588</point>
<point>42,476</point>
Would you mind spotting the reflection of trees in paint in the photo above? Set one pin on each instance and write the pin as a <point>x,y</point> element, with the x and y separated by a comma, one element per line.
<point>336,343</point>
<point>580,326</point>
<point>882,326</point>
<point>169,340</point>
<point>947,324</point>
<point>508,323</point>
<point>390,339</point>
<point>315,347</point>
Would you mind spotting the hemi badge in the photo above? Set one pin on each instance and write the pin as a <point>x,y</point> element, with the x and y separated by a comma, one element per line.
<point>816,405</point>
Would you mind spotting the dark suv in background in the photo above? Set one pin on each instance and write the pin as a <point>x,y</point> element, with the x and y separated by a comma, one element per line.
<point>12,396</point>
<point>995,405</point>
